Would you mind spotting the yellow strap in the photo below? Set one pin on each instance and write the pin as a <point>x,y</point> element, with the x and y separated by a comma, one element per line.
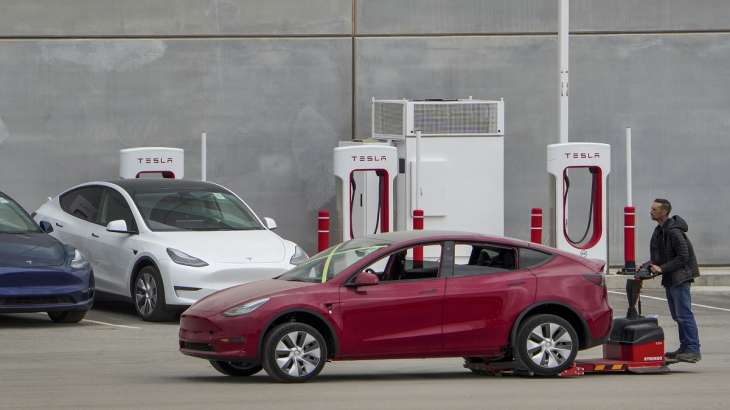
<point>327,263</point>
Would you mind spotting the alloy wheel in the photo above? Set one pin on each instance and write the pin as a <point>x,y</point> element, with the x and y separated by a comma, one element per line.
<point>145,294</point>
<point>298,354</point>
<point>549,345</point>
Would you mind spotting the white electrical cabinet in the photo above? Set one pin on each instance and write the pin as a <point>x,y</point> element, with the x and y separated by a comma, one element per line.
<point>461,181</point>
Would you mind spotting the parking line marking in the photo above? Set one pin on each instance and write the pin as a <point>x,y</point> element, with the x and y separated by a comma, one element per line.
<point>656,298</point>
<point>110,324</point>
<point>102,323</point>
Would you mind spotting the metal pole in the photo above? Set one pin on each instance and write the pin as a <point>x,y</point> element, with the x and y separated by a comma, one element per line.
<point>418,170</point>
<point>323,230</point>
<point>629,196</point>
<point>536,225</point>
<point>564,61</point>
<point>203,156</point>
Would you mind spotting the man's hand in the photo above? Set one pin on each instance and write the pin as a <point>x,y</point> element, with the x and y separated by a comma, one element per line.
<point>655,269</point>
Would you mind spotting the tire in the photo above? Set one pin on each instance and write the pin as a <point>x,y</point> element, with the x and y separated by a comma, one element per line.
<point>148,296</point>
<point>72,316</point>
<point>546,344</point>
<point>294,352</point>
<point>471,360</point>
<point>236,369</point>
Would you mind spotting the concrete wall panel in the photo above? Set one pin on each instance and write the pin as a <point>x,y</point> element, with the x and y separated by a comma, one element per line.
<point>455,16</point>
<point>273,110</point>
<point>649,15</point>
<point>174,17</point>
<point>534,16</point>
<point>674,92</point>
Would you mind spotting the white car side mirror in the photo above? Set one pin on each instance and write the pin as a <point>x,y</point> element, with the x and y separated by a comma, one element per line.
<point>270,223</point>
<point>119,226</point>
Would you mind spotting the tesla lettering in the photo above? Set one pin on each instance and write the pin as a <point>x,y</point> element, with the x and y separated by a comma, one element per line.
<point>154,160</point>
<point>582,155</point>
<point>369,158</point>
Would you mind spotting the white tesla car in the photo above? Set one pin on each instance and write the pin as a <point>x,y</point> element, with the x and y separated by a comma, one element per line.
<point>167,243</point>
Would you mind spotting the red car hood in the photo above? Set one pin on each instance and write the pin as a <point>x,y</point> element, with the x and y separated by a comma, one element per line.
<point>225,299</point>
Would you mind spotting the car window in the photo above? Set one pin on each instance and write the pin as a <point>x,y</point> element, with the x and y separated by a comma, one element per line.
<point>404,265</point>
<point>483,259</point>
<point>195,210</point>
<point>330,262</point>
<point>530,258</point>
<point>13,218</point>
<point>115,207</point>
<point>82,203</point>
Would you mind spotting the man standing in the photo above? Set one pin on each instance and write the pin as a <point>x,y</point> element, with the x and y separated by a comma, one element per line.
<point>673,257</point>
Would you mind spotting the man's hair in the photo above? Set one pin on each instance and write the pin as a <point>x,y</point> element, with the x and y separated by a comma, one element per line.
<point>666,205</point>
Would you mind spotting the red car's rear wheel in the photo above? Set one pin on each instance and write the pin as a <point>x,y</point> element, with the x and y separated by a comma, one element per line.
<point>546,344</point>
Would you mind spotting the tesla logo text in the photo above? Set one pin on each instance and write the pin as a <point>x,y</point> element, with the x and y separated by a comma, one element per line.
<point>369,158</point>
<point>154,160</point>
<point>653,359</point>
<point>582,155</point>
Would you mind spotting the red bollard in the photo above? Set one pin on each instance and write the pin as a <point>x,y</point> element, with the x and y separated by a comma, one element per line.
<point>536,225</point>
<point>323,231</point>
<point>418,226</point>
<point>629,238</point>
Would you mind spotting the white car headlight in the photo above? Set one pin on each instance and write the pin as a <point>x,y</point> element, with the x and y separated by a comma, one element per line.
<point>245,308</point>
<point>299,256</point>
<point>182,258</point>
<point>79,261</point>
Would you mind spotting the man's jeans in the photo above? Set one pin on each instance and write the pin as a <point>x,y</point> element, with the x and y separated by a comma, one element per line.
<point>680,306</point>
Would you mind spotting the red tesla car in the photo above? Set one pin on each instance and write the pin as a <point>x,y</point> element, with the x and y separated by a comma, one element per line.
<point>407,295</point>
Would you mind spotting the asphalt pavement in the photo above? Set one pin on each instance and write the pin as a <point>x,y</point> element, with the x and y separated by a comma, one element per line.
<point>113,360</point>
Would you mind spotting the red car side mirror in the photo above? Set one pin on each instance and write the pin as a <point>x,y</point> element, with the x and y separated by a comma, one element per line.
<point>366,279</point>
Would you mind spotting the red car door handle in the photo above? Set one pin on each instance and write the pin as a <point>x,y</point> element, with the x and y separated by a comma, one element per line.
<point>517,283</point>
<point>427,292</point>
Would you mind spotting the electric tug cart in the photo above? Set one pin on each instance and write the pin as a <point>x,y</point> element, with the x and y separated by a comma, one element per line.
<point>635,344</point>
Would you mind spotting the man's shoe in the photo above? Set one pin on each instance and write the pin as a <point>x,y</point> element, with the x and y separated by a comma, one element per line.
<point>673,355</point>
<point>689,357</point>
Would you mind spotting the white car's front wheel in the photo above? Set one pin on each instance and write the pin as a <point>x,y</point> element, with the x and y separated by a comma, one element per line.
<point>149,295</point>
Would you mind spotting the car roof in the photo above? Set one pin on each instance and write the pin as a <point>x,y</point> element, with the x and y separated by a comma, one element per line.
<point>408,236</point>
<point>155,185</point>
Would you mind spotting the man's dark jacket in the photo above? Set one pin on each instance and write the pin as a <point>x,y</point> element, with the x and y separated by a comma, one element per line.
<point>673,252</point>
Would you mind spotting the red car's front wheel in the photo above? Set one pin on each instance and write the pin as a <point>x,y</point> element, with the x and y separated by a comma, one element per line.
<point>294,352</point>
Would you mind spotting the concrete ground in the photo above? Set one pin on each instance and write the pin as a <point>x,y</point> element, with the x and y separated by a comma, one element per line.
<point>113,360</point>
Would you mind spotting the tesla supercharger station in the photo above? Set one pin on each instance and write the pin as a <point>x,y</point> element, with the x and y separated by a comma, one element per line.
<point>579,173</point>
<point>365,175</point>
<point>445,157</point>
<point>450,161</point>
<point>152,162</point>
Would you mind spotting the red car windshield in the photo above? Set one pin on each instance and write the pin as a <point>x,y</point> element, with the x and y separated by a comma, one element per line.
<point>329,263</point>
